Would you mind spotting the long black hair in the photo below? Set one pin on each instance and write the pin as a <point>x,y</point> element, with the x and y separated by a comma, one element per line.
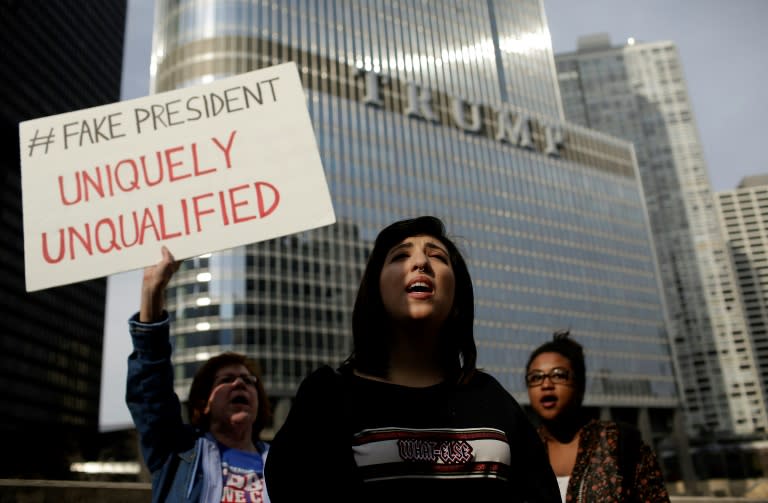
<point>371,323</point>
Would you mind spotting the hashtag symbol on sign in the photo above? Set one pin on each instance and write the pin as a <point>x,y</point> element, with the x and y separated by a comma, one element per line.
<point>40,140</point>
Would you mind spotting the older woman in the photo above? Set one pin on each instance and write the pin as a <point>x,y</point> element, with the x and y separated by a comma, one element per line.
<point>219,456</point>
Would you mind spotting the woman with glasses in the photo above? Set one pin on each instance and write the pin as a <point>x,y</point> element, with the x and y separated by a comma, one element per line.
<point>594,461</point>
<point>219,456</point>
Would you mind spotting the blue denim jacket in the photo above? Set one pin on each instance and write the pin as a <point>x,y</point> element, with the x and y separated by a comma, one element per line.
<point>184,462</point>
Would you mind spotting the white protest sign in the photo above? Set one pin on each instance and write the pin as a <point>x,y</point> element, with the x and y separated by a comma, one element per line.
<point>197,170</point>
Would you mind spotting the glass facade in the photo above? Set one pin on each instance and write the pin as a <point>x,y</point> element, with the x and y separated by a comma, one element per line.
<point>63,57</point>
<point>450,109</point>
<point>638,92</point>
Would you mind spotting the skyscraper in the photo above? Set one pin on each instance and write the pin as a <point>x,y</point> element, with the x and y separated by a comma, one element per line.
<point>638,92</point>
<point>57,57</point>
<point>451,109</point>
<point>744,216</point>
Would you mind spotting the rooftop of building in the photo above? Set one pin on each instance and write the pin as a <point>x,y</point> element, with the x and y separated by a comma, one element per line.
<point>753,181</point>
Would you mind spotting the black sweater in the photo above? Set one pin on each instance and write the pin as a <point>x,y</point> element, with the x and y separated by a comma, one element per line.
<point>348,438</point>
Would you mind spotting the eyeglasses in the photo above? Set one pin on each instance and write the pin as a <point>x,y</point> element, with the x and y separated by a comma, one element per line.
<point>557,375</point>
<point>248,379</point>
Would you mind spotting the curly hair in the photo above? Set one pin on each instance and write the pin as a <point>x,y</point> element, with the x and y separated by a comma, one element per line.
<point>202,385</point>
<point>562,344</point>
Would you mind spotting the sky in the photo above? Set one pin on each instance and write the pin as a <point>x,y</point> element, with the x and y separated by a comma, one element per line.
<point>721,45</point>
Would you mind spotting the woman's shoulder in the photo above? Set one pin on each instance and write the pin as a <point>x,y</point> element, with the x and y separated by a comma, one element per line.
<point>482,380</point>
<point>319,393</point>
<point>486,388</point>
<point>321,377</point>
<point>324,373</point>
<point>602,424</point>
<point>601,428</point>
<point>612,429</point>
<point>612,435</point>
<point>480,377</point>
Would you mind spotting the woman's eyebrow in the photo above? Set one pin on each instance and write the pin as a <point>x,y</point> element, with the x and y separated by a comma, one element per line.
<point>400,247</point>
<point>409,244</point>
<point>436,247</point>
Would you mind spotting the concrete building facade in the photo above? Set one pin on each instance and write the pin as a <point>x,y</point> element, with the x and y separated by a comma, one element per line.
<point>744,216</point>
<point>638,92</point>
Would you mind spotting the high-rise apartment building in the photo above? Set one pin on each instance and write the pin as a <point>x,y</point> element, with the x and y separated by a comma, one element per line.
<point>59,57</point>
<point>638,92</point>
<point>446,108</point>
<point>744,216</point>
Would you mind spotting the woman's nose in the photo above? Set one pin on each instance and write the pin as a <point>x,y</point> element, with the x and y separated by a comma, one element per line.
<point>421,262</point>
<point>422,266</point>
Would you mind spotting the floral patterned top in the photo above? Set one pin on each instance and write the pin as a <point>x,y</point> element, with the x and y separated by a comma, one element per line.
<point>596,476</point>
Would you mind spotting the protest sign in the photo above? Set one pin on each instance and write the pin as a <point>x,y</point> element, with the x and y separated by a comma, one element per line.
<point>197,170</point>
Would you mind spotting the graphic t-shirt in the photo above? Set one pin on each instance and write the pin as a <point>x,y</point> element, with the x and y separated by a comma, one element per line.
<point>243,474</point>
<point>381,442</point>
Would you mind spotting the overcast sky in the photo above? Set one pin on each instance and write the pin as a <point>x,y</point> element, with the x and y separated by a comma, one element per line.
<point>722,44</point>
